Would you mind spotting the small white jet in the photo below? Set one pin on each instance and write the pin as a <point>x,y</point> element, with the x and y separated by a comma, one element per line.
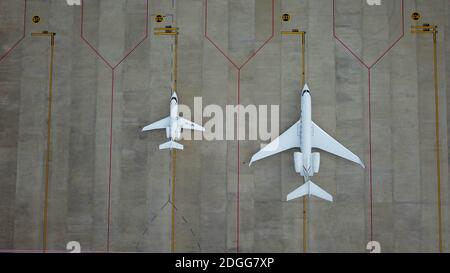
<point>306,135</point>
<point>173,125</point>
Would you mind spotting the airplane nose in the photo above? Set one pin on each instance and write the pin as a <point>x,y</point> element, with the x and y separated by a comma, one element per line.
<point>306,87</point>
<point>174,95</point>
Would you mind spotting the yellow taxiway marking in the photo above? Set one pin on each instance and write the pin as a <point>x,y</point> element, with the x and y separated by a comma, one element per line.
<point>174,160</point>
<point>172,31</point>
<point>49,135</point>
<point>438,145</point>
<point>424,29</point>
<point>303,80</point>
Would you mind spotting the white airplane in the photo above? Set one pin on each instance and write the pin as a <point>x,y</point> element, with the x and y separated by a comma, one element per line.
<point>173,125</point>
<point>306,135</point>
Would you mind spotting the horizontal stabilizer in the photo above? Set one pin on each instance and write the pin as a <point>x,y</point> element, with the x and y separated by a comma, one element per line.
<point>308,189</point>
<point>171,145</point>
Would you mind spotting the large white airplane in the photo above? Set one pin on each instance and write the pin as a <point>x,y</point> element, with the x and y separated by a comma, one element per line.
<point>173,125</point>
<point>306,135</point>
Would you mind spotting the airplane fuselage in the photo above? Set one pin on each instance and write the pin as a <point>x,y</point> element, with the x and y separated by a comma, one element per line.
<point>175,131</point>
<point>306,133</point>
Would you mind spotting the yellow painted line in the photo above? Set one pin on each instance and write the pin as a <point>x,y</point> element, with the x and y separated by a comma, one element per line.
<point>166,33</point>
<point>49,137</point>
<point>303,58</point>
<point>49,142</point>
<point>303,80</point>
<point>293,32</point>
<point>424,29</point>
<point>305,224</point>
<point>174,160</point>
<point>173,32</point>
<point>175,63</point>
<point>438,146</point>
<point>165,28</point>
<point>173,153</point>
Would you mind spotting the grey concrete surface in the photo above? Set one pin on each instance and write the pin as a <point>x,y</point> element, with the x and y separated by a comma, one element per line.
<point>118,197</point>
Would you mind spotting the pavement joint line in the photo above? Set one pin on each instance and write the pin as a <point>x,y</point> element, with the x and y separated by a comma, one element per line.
<point>420,30</point>
<point>303,82</point>
<point>238,68</point>
<point>172,245</point>
<point>113,69</point>
<point>369,68</point>
<point>8,51</point>
<point>172,165</point>
<point>47,154</point>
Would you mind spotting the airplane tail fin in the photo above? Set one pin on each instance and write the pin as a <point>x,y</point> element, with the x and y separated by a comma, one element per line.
<point>171,145</point>
<point>309,188</point>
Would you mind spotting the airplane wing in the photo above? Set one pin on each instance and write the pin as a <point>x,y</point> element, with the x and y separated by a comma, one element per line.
<point>187,124</point>
<point>288,140</point>
<point>160,124</point>
<point>323,141</point>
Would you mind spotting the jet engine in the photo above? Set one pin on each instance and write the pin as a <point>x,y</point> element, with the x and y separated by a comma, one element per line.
<point>298,162</point>
<point>315,162</point>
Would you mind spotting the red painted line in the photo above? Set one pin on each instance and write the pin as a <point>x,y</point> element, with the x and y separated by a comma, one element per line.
<point>110,156</point>
<point>64,251</point>
<point>112,67</point>
<point>369,68</point>
<point>351,52</point>
<point>223,53</point>
<point>370,156</point>
<point>129,53</point>
<point>356,55</point>
<point>238,163</point>
<point>7,52</point>
<point>211,41</point>
<point>381,57</point>
<point>239,68</point>
<point>97,53</point>
<point>31,251</point>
